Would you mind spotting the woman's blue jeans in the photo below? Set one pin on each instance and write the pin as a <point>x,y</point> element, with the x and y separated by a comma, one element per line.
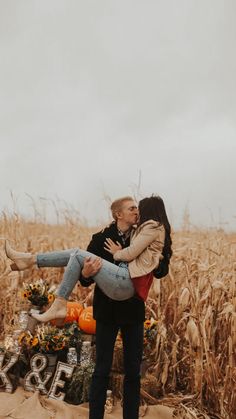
<point>113,280</point>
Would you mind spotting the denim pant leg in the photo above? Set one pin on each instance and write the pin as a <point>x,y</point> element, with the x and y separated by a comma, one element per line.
<point>54,259</point>
<point>113,280</point>
<point>133,350</point>
<point>105,341</point>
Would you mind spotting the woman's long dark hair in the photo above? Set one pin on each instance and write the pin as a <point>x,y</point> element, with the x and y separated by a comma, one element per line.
<point>153,208</point>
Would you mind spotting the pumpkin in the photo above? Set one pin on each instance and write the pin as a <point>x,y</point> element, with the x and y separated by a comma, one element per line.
<point>86,321</point>
<point>74,310</point>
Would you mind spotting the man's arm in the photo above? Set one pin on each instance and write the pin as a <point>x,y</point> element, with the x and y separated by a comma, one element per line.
<point>92,265</point>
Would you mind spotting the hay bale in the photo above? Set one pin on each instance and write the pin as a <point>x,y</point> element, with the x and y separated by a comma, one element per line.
<point>151,386</point>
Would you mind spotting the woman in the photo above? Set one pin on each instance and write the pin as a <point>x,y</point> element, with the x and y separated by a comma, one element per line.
<point>119,282</point>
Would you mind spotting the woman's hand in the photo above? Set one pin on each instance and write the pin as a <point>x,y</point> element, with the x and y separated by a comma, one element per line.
<point>112,247</point>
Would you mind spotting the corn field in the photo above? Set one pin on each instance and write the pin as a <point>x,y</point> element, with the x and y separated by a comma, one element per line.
<point>193,361</point>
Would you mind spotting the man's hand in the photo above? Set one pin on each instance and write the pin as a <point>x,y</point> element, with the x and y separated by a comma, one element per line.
<point>91,266</point>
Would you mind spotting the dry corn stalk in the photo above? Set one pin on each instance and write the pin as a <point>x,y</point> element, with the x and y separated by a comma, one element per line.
<point>184,299</point>
<point>192,334</point>
<point>233,331</point>
<point>203,262</point>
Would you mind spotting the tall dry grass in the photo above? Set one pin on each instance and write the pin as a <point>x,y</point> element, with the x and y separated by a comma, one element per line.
<point>194,359</point>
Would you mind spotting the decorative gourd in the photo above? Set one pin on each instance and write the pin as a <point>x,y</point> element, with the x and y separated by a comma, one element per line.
<point>74,309</point>
<point>86,321</point>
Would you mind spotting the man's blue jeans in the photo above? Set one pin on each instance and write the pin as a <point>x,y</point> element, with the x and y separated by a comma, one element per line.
<point>132,335</point>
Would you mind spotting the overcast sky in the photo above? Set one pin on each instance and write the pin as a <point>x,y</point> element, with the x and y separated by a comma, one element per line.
<point>97,96</point>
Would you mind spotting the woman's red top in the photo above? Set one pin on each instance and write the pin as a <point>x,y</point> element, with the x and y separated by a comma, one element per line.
<point>142,285</point>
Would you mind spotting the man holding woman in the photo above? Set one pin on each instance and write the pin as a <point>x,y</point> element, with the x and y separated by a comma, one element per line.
<point>131,282</point>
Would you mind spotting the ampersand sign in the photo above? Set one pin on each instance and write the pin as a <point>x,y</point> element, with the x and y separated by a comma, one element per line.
<point>38,363</point>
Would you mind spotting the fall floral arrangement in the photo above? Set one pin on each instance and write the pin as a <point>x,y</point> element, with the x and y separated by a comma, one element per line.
<point>38,293</point>
<point>150,333</point>
<point>50,339</point>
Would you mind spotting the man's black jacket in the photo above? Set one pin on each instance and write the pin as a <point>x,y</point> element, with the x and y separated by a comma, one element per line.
<point>104,308</point>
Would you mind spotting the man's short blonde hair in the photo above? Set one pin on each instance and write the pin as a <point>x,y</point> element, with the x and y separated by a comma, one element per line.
<point>117,205</point>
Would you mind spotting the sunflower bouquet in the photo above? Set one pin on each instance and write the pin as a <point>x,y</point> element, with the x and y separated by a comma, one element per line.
<point>38,293</point>
<point>49,339</point>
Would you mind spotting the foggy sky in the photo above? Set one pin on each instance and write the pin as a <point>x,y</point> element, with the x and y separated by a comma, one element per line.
<point>97,95</point>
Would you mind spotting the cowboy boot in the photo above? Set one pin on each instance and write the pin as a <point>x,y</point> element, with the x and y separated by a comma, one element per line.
<point>21,260</point>
<point>57,311</point>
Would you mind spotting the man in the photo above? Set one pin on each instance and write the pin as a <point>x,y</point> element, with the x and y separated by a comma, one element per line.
<point>111,315</point>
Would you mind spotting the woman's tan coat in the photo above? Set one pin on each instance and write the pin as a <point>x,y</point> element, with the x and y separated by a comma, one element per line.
<point>145,250</point>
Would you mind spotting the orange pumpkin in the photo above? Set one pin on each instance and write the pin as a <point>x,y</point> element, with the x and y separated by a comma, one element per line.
<point>86,321</point>
<point>74,310</point>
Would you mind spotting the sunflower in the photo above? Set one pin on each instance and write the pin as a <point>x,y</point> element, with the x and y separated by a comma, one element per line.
<point>35,341</point>
<point>147,324</point>
<point>25,294</point>
<point>29,340</point>
<point>21,337</point>
<point>50,298</point>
